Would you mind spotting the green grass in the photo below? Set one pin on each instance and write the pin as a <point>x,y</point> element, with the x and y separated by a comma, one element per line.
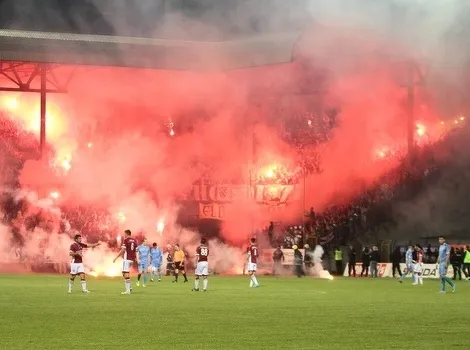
<point>37,313</point>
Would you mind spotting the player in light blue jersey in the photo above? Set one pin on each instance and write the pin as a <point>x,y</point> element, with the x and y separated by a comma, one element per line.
<point>156,258</point>
<point>143,257</point>
<point>443,264</point>
<point>409,265</point>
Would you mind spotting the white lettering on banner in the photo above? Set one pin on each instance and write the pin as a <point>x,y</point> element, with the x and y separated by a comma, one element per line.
<point>429,271</point>
<point>214,200</point>
<point>265,194</point>
<point>217,211</point>
<point>266,257</point>
<point>211,211</point>
<point>383,269</point>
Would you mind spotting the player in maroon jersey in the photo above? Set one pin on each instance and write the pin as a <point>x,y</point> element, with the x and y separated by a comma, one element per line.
<point>252,253</point>
<point>418,265</point>
<point>129,255</point>
<point>76,265</point>
<point>202,266</point>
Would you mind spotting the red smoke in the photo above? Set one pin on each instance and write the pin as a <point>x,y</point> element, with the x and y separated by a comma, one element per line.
<point>125,137</point>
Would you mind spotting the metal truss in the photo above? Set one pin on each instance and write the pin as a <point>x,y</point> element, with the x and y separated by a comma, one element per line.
<point>32,77</point>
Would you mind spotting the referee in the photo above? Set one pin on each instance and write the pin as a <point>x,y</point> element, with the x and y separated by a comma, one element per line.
<point>179,258</point>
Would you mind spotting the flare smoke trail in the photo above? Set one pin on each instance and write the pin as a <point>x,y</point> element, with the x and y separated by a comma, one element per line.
<point>318,269</point>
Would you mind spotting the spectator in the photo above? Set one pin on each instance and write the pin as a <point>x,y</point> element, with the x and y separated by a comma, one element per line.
<point>312,217</point>
<point>456,262</point>
<point>298,262</point>
<point>396,259</point>
<point>271,233</point>
<point>352,256</point>
<point>466,262</point>
<point>365,262</point>
<point>339,261</point>
<point>308,258</point>
<point>374,262</point>
<point>278,259</point>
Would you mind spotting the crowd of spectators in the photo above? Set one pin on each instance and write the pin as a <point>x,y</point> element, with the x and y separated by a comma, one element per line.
<point>371,210</point>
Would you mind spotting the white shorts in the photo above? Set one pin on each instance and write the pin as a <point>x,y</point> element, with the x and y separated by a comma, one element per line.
<point>202,268</point>
<point>418,268</point>
<point>77,268</point>
<point>251,266</point>
<point>126,265</point>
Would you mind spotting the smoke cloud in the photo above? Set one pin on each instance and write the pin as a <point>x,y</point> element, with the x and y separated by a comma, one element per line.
<point>135,141</point>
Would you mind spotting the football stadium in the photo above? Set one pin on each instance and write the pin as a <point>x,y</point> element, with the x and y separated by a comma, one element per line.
<point>204,174</point>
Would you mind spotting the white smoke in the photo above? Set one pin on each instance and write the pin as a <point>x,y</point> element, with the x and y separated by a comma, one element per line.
<point>225,259</point>
<point>45,244</point>
<point>38,243</point>
<point>7,253</point>
<point>318,269</point>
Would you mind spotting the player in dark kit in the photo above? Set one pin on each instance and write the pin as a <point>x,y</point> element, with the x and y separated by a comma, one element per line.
<point>202,266</point>
<point>129,255</point>
<point>76,265</point>
<point>170,266</point>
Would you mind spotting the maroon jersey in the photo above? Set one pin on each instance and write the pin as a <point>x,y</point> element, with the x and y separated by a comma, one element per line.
<point>419,256</point>
<point>77,248</point>
<point>202,252</point>
<point>130,249</point>
<point>252,254</point>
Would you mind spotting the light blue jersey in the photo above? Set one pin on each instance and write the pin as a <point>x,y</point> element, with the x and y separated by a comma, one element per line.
<point>156,256</point>
<point>443,261</point>
<point>444,252</point>
<point>409,259</point>
<point>409,265</point>
<point>144,254</point>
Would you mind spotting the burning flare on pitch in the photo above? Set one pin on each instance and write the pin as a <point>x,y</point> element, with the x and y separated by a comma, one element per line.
<point>100,263</point>
<point>105,270</point>
<point>318,269</point>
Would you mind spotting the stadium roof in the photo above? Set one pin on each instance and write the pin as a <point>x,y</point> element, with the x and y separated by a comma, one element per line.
<point>159,34</point>
<point>107,50</point>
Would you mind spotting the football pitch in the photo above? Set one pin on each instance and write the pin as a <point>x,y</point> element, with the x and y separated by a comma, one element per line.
<point>284,313</point>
